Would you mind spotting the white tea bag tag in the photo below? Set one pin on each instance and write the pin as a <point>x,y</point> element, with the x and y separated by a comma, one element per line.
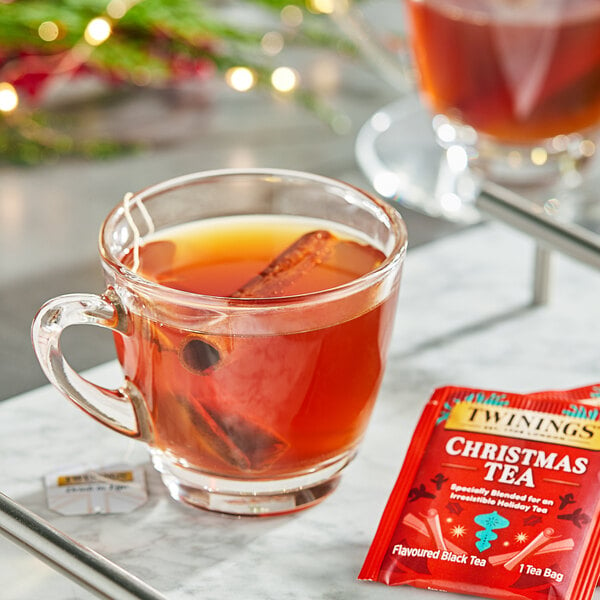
<point>96,490</point>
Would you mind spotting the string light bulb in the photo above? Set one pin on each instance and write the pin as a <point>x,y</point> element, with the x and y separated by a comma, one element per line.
<point>291,16</point>
<point>325,7</point>
<point>284,79</point>
<point>116,9</point>
<point>48,31</point>
<point>9,99</point>
<point>240,79</point>
<point>272,43</point>
<point>98,30</point>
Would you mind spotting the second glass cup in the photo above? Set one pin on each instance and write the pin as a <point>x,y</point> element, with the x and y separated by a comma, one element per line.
<point>514,83</point>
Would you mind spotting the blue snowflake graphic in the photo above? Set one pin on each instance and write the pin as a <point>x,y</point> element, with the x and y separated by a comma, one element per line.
<point>478,397</point>
<point>581,412</point>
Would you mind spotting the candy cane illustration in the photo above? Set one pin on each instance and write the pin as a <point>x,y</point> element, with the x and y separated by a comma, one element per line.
<point>535,543</point>
<point>563,545</point>
<point>417,524</point>
<point>433,520</point>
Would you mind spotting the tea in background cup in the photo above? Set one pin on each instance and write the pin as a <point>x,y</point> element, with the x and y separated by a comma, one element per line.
<point>252,312</point>
<point>516,83</point>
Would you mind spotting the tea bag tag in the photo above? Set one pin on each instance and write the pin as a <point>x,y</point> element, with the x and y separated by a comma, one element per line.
<point>93,490</point>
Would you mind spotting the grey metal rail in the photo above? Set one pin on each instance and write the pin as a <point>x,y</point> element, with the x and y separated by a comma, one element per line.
<point>549,233</point>
<point>86,567</point>
<point>513,209</point>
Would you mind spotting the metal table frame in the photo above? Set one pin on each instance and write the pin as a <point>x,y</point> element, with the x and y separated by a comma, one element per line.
<point>549,233</point>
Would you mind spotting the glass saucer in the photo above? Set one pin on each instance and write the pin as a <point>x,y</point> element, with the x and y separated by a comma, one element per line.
<point>397,151</point>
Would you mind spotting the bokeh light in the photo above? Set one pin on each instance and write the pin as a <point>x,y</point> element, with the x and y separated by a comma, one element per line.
<point>240,79</point>
<point>457,158</point>
<point>539,156</point>
<point>325,7</point>
<point>284,79</point>
<point>291,16</point>
<point>9,99</point>
<point>587,148</point>
<point>272,43</point>
<point>48,31</point>
<point>97,31</point>
<point>116,9</point>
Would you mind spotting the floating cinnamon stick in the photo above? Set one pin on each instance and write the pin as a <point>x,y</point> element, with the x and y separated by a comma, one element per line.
<point>296,260</point>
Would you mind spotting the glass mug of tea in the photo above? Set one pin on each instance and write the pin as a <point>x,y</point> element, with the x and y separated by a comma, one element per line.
<point>252,311</point>
<point>515,84</point>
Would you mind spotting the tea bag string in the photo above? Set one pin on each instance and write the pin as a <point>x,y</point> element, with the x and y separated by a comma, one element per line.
<point>127,203</point>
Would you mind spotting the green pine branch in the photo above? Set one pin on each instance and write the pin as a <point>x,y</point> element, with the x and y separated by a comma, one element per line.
<point>150,38</point>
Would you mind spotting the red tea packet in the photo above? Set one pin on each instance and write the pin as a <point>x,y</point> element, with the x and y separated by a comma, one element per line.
<point>499,496</point>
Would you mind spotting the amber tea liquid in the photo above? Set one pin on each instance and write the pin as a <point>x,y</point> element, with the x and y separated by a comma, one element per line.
<point>256,401</point>
<point>517,78</point>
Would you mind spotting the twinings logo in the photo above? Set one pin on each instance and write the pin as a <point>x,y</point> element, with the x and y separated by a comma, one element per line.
<point>525,424</point>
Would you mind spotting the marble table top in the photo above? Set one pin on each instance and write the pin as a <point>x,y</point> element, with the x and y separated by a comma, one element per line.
<point>464,318</point>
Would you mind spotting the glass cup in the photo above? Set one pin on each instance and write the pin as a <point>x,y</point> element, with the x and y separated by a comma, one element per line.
<point>249,405</point>
<point>514,83</point>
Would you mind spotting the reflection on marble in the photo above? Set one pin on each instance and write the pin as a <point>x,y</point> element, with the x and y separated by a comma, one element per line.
<point>464,319</point>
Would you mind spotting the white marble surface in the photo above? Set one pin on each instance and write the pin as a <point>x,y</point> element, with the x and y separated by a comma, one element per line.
<point>464,319</point>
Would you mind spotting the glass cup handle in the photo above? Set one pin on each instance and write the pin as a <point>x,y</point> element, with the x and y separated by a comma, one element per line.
<point>123,409</point>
